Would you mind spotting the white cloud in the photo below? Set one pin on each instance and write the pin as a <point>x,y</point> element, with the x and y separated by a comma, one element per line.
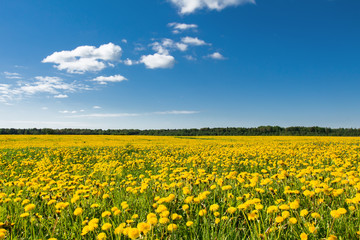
<point>49,85</point>
<point>124,40</point>
<point>130,62</point>
<point>179,27</point>
<point>68,112</point>
<point>96,107</point>
<point>176,112</point>
<point>193,41</point>
<point>10,75</point>
<point>105,80</point>
<point>182,46</point>
<point>105,115</point>
<point>85,58</point>
<point>6,93</point>
<point>190,58</point>
<point>158,60</point>
<point>216,56</point>
<point>190,6</point>
<point>61,96</point>
<point>114,115</point>
<point>44,108</point>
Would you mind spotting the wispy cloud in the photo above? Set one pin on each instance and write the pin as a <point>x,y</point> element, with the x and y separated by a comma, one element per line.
<point>175,112</point>
<point>179,27</point>
<point>12,75</point>
<point>105,115</point>
<point>193,41</point>
<point>190,6</point>
<point>117,115</point>
<point>42,85</point>
<point>105,80</point>
<point>61,96</point>
<point>85,58</point>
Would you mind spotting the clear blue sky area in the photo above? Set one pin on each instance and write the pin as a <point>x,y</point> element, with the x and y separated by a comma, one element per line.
<point>143,64</point>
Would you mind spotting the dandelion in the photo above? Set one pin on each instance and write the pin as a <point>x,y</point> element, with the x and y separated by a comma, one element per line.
<point>202,212</point>
<point>189,223</point>
<point>279,219</point>
<point>315,215</point>
<point>303,236</point>
<point>172,227</point>
<point>335,214</point>
<point>272,209</point>
<point>231,210</point>
<point>292,220</point>
<point>101,236</point>
<point>29,207</point>
<point>304,212</point>
<point>106,226</point>
<point>106,214</point>
<point>214,207</point>
<point>23,215</point>
<point>144,227</point>
<point>78,211</point>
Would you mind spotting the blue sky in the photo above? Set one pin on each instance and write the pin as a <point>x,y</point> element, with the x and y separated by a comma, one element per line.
<point>179,63</point>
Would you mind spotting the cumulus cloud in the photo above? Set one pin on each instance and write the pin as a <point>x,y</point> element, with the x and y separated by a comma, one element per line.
<point>193,41</point>
<point>158,60</point>
<point>190,6</point>
<point>216,56</point>
<point>96,107</point>
<point>10,75</point>
<point>105,80</point>
<point>179,27</point>
<point>85,58</point>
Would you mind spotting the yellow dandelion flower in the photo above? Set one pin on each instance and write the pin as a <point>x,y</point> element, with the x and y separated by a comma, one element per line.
<point>279,219</point>
<point>144,227</point>
<point>24,215</point>
<point>101,236</point>
<point>231,210</point>
<point>106,214</point>
<point>78,211</point>
<point>29,207</point>
<point>172,227</point>
<point>304,212</point>
<point>189,223</point>
<point>292,220</point>
<point>106,226</point>
<point>214,207</point>
<point>303,236</point>
<point>335,214</point>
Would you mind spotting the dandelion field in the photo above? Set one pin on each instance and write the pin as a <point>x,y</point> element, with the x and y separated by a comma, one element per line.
<point>147,187</point>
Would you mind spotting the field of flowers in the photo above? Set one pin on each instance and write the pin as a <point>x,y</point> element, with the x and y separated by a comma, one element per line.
<point>146,187</point>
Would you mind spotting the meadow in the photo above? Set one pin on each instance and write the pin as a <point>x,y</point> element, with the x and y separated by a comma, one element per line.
<point>148,187</point>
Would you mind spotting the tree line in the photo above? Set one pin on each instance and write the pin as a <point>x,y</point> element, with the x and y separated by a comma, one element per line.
<point>229,131</point>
